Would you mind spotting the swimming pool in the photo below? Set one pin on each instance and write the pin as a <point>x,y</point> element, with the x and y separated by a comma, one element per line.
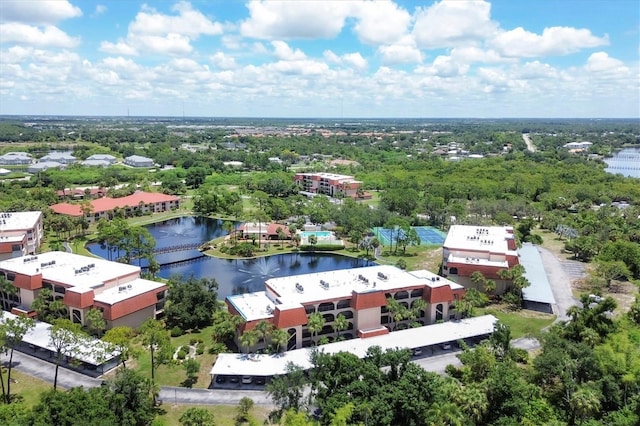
<point>307,234</point>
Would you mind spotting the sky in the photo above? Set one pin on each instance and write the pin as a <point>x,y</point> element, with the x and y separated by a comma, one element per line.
<point>317,59</point>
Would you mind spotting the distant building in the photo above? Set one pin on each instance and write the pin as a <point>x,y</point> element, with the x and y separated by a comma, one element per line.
<point>139,161</point>
<point>102,157</point>
<point>59,157</point>
<point>45,165</point>
<point>145,202</point>
<point>359,294</point>
<point>330,184</point>
<point>262,231</point>
<point>99,160</point>
<point>82,283</point>
<point>15,159</point>
<point>580,146</point>
<point>479,248</point>
<point>20,234</point>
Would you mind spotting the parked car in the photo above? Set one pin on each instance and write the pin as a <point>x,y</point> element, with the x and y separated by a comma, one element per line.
<point>246,380</point>
<point>220,379</point>
<point>417,352</point>
<point>234,379</point>
<point>446,346</point>
<point>258,380</point>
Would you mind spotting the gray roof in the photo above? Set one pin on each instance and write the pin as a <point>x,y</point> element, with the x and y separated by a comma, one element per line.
<point>45,165</point>
<point>106,157</point>
<point>93,162</point>
<point>58,155</point>
<point>138,158</point>
<point>540,289</point>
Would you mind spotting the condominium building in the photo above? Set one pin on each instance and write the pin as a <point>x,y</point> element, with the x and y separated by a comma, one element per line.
<point>105,207</point>
<point>360,295</point>
<point>20,233</point>
<point>82,283</point>
<point>330,184</point>
<point>488,250</point>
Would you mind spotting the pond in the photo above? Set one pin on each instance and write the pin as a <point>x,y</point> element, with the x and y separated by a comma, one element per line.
<point>626,162</point>
<point>234,276</point>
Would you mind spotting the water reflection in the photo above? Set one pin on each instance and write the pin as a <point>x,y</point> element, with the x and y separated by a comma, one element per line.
<point>234,276</point>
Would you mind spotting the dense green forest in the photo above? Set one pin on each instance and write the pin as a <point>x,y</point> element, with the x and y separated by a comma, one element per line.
<point>587,373</point>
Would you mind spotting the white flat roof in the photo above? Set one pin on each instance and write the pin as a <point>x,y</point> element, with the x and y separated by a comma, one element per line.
<point>252,306</point>
<point>478,261</point>
<point>333,176</point>
<point>127,291</point>
<point>435,280</point>
<point>18,221</point>
<point>341,283</point>
<point>90,350</point>
<point>271,365</point>
<point>64,269</point>
<point>479,238</point>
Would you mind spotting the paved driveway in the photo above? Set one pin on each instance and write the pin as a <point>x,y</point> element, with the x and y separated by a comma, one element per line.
<point>560,282</point>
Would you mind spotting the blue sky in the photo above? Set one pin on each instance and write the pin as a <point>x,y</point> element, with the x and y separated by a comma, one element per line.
<point>313,58</point>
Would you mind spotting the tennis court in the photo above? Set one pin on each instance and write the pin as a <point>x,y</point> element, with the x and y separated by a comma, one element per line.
<point>428,235</point>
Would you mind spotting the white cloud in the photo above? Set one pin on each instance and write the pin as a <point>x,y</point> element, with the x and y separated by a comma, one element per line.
<point>403,52</point>
<point>155,32</point>
<point>553,41</point>
<point>380,22</point>
<point>223,61</point>
<point>445,67</point>
<point>294,19</point>
<point>600,63</point>
<point>189,22</point>
<point>119,48</point>
<point>99,10</point>
<point>31,35</point>
<point>283,52</point>
<point>353,60</point>
<point>453,23</point>
<point>37,12</point>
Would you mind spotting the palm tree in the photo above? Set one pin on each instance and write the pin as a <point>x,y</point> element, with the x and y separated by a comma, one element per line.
<point>263,330</point>
<point>447,413</point>
<point>341,323</point>
<point>7,289</point>
<point>248,339</point>
<point>279,338</point>
<point>315,324</point>
<point>584,403</point>
<point>397,312</point>
<point>477,278</point>
<point>472,401</point>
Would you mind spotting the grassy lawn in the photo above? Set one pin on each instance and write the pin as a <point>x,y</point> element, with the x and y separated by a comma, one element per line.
<point>224,414</point>
<point>522,323</point>
<point>28,387</point>
<point>174,374</point>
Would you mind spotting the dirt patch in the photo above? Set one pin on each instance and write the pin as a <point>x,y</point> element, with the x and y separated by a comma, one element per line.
<point>431,260</point>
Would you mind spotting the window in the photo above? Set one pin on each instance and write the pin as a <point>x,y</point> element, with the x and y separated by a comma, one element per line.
<point>417,293</point>
<point>310,309</point>
<point>347,314</point>
<point>327,306</point>
<point>59,289</point>
<point>77,316</point>
<point>453,271</point>
<point>402,295</point>
<point>328,317</point>
<point>439,312</point>
<point>343,304</point>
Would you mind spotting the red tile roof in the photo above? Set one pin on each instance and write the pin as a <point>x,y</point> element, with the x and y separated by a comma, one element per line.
<point>107,204</point>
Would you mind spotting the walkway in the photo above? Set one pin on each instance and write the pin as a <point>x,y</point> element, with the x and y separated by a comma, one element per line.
<point>530,146</point>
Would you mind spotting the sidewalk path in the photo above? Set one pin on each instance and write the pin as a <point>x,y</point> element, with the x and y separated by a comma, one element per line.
<point>175,395</point>
<point>530,146</point>
<point>46,371</point>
